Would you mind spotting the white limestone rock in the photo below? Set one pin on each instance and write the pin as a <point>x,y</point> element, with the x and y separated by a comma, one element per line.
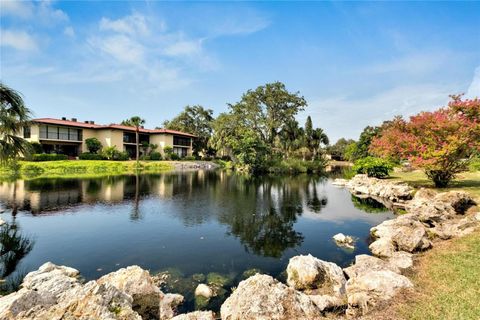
<point>366,290</point>
<point>308,272</point>
<point>197,315</point>
<point>262,297</point>
<point>204,291</point>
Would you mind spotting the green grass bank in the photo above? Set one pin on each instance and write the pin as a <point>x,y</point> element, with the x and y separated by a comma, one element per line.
<point>82,168</point>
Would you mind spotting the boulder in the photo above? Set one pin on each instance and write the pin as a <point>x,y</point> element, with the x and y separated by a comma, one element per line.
<point>204,291</point>
<point>90,301</point>
<point>54,292</point>
<point>454,228</point>
<point>262,297</point>
<point>137,283</point>
<point>404,233</point>
<point>391,190</point>
<point>382,247</point>
<point>52,279</point>
<point>197,315</point>
<point>369,288</point>
<point>343,240</point>
<point>401,261</point>
<point>325,302</point>
<point>433,208</point>
<point>12,305</point>
<point>460,201</point>
<point>365,263</point>
<point>308,272</point>
<point>169,304</point>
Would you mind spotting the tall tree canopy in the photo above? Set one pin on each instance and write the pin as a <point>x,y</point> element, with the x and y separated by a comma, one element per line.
<point>137,123</point>
<point>195,120</point>
<point>14,115</point>
<point>262,126</point>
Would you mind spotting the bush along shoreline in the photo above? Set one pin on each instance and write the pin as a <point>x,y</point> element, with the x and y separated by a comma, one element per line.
<point>314,288</point>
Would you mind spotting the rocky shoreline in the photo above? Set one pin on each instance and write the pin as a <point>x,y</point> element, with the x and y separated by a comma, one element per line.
<point>314,288</point>
<point>194,165</point>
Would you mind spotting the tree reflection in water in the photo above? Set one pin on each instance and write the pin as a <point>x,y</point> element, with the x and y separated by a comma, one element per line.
<point>260,211</point>
<point>13,247</point>
<point>264,211</point>
<point>368,205</point>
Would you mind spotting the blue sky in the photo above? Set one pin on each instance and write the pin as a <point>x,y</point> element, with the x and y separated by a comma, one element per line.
<point>356,63</point>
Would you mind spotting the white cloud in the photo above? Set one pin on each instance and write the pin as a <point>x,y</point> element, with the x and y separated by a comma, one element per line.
<point>17,39</point>
<point>184,48</point>
<point>474,88</point>
<point>37,11</point>
<point>412,63</point>
<point>69,32</point>
<point>120,47</point>
<point>134,24</point>
<point>15,8</point>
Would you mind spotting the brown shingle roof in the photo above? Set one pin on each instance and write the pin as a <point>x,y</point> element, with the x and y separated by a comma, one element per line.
<point>80,124</point>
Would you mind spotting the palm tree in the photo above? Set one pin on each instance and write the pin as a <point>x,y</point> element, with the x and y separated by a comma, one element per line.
<point>136,122</point>
<point>14,115</point>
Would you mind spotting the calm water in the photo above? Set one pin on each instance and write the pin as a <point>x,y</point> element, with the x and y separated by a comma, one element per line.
<point>187,222</point>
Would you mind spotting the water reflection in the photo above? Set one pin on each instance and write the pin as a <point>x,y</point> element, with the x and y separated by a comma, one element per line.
<point>197,222</point>
<point>13,247</point>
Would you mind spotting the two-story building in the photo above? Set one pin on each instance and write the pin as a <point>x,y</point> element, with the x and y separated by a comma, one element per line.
<point>68,137</point>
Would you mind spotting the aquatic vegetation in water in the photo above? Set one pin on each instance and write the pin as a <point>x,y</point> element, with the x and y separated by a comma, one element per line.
<point>250,272</point>
<point>217,280</point>
<point>198,277</point>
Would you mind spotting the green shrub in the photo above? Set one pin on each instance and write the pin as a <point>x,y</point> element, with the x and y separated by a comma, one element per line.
<point>189,158</point>
<point>48,157</point>
<point>121,156</point>
<point>36,148</point>
<point>93,145</point>
<point>90,156</point>
<point>155,156</point>
<point>475,164</point>
<point>373,167</point>
<point>174,156</point>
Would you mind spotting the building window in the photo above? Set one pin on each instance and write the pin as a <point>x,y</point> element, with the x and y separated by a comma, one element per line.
<point>60,133</point>
<point>181,141</point>
<point>181,152</point>
<point>26,132</point>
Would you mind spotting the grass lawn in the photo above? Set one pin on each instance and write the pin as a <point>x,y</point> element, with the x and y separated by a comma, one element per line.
<point>466,181</point>
<point>446,278</point>
<point>82,168</point>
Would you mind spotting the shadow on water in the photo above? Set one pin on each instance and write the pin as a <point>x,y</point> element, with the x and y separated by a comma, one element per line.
<point>198,226</point>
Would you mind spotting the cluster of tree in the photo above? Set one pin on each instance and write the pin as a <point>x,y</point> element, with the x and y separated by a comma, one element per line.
<point>440,142</point>
<point>261,127</point>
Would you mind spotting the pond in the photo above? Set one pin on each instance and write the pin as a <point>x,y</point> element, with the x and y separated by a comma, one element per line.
<point>197,226</point>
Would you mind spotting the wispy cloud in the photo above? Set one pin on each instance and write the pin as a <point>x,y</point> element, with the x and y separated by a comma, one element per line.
<point>473,90</point>
<point>134,24</point>
<point>41,11</point>
<point>348,115</point>
<point>120,47</point>
<point>17,39</point>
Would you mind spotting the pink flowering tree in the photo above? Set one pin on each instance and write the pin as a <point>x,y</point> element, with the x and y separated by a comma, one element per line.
<point>440,142</point>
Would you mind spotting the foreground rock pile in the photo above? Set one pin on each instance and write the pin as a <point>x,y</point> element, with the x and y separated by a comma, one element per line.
<point>55,292</point>
<point>314,287</point>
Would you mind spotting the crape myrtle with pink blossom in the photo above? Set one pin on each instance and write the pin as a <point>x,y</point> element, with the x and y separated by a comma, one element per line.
<point>440,142</point>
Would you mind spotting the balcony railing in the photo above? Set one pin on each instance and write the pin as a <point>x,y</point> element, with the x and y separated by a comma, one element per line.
<point>60,133</point>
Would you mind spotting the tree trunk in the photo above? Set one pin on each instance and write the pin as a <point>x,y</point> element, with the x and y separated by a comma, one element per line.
<point>136,136</point>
